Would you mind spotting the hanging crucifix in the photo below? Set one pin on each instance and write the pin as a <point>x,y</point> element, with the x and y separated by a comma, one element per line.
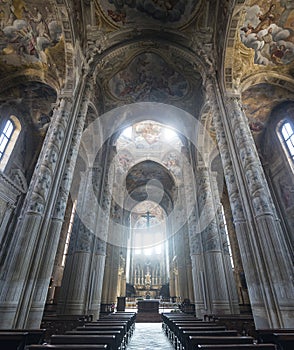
<point>148,216</point>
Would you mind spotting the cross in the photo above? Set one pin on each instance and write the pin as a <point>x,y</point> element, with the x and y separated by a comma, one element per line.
<point>148,216</point>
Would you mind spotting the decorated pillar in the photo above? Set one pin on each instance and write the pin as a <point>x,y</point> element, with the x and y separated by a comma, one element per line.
<point>268,243</point>
<point>111,274</point>
<point>181,263</point>
<point>56,221</point>
<point>265,256</point>
<point>85,258</point>
<point>83,274</point>
<point>21,270</point>
<point>58,267</point>
<point>214,283</point>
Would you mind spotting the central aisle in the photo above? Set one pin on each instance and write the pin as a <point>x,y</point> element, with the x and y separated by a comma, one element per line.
<point>149,336</point>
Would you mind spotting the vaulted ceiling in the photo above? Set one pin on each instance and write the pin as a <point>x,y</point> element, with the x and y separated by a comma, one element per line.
<point>150,50</point>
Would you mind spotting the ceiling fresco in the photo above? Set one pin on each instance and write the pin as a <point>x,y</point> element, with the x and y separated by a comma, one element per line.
<point>161,143</point>
<point>143,173</point>
<point>148,78</point>
<point>152,12</point>
<point>28,30</point>
<point>268,29</point>
<point>148,135</point>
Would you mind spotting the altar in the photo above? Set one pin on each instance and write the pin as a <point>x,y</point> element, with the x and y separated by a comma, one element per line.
<point>148,305</point>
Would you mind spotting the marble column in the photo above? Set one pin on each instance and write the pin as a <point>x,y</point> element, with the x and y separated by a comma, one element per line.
<point>84,269</point>
<point>111,273</point>
<point>213,288</point>
<point>21,268</point>
<point>172,257</point>
<point>268,243</point>
<point>85,260</point>
<point>58,267</point>
<point>56,221</point>
<point>239,275</point>
<point>265,256</point>
<point>181,263</point>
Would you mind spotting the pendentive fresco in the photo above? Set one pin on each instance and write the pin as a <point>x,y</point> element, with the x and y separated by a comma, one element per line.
<point>28,28</point>
<point>268,29</point>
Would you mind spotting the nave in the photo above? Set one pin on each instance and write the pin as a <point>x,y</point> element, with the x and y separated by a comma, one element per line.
<point>149,336</point>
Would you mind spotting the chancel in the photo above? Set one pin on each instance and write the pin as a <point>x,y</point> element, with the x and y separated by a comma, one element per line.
<point>146,154</point>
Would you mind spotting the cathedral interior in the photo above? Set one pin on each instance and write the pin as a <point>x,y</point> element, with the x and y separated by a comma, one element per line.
<point>146,152</point>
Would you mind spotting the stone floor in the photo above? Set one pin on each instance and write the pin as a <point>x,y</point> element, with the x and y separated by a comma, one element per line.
<point>149,336</point>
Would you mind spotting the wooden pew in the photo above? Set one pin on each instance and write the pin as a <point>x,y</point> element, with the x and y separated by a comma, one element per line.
<point>106,327</point>
<point>185,334</point>
<point>118,333</point>
<point>172,322</point>
<point>13,340</point>
<point>110,340</point>
<point>237,347</point>
<point>194,341</point>
<point>244,324</point>
<point>285,341</point>
<point>168,319</point>
<point>173,325</point>
<point>129,317</point>
<point>34,336</point>
<point>267,335</point>
<point>128,326</point>
<point>177,328</point>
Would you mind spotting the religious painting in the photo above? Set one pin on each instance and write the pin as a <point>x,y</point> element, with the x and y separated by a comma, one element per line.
<point>148,78</point>
<point>149,132</point>
<point>124,161</point>
<point>286,190</point>
<point>268,29</point>
<point>132,12</point>
<point>27,29</point>
<point>258,102</point>
<point>172,162</point>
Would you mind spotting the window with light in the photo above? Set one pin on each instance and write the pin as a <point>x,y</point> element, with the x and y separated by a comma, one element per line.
<point>6,137</point>
<point>287,133</point>
<point>9,132</point>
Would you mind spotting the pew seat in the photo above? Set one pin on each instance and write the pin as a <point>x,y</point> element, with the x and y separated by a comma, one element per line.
<point>194,341</point>
<point>34,336</point>
<point>183,337</point>
<point>285,341</point>
<point>13,340</point>
<point>236,347</point>
<point>177,332</point>
<point>267,335</point>
<point>110,340</point>
<point>118,333</point>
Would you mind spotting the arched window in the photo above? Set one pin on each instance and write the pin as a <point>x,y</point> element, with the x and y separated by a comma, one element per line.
<point>8,136</point>
<point>287,133</point>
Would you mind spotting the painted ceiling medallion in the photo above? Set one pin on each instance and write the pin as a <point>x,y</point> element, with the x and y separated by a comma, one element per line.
<point>148,78</point>
<point>134,12</point>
